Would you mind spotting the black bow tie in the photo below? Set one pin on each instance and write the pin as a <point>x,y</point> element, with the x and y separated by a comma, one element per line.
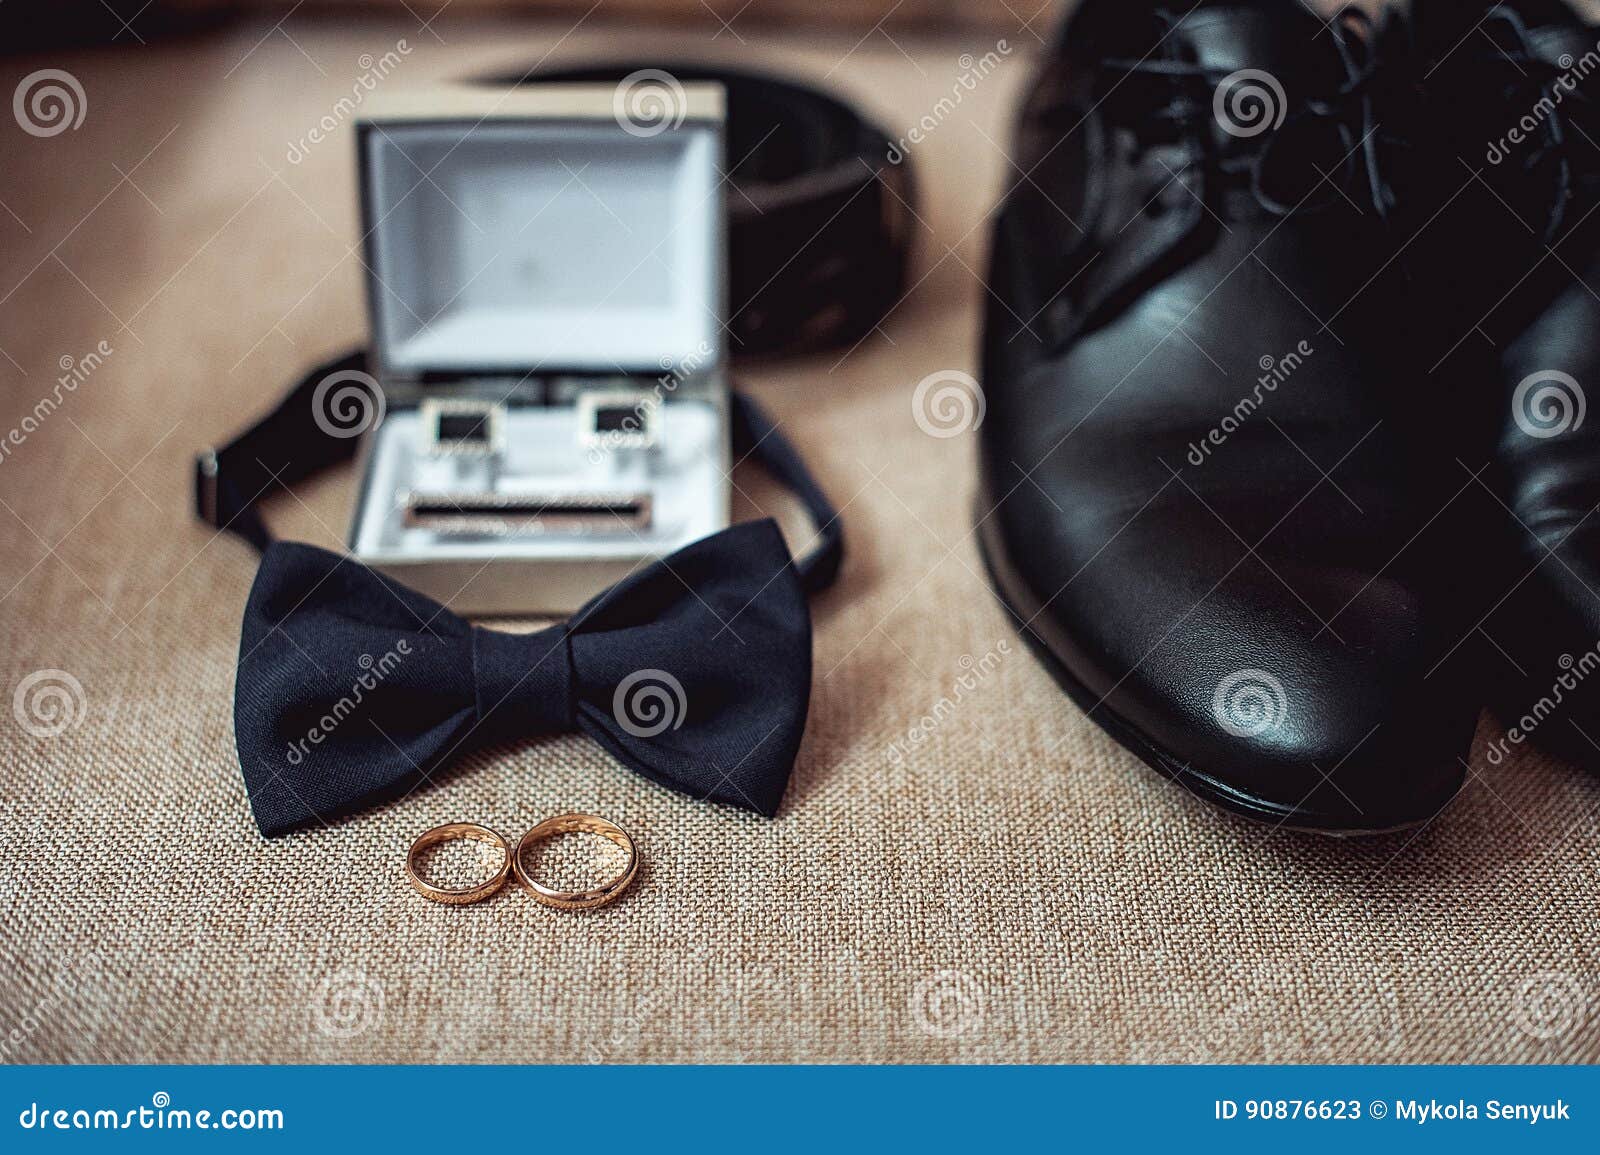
<point>352,688</point>
<point>695,671</point>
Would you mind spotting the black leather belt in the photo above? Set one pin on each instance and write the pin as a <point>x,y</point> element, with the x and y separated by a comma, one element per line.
<point>818,219</point>
<point>818,240</point>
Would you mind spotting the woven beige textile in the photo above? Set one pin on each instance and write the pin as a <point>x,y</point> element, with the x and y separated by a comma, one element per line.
<point>1011,885</point>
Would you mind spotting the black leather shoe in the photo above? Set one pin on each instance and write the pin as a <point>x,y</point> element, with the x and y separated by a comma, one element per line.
<point>1522,81</point>
<point>1217,488</point>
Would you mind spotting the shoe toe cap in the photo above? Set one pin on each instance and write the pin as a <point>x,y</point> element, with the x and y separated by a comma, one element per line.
<point>1293,690</point>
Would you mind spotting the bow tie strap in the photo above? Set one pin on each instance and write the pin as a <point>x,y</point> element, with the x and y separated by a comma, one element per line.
<point>288,444</point>
<point>756,435</point>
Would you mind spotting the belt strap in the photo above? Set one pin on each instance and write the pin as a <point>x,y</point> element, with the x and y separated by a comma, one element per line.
<point>819,219</point>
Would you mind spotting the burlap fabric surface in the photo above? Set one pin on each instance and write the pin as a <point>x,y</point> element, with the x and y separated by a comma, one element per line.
<point>1011,886</point>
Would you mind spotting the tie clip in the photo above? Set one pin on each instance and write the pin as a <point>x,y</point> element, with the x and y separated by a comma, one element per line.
<point>507,515</point>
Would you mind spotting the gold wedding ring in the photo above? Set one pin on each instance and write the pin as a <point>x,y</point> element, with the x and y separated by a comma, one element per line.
<point>577,899</point>
<point>458,895</point>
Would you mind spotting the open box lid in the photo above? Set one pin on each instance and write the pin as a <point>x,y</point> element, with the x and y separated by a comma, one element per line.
<point>542,227</point>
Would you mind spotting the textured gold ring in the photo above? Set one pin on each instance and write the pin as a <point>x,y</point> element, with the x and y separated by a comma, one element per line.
<point>577,899</point>
<point>457,895</point>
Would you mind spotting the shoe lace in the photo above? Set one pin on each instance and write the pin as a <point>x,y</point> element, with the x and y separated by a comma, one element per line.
<point>1193,90</point>
<point>1533,81</point>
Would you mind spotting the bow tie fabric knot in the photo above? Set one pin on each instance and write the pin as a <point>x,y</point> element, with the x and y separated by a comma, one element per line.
<point>352,689</point>
<point>523,683</point>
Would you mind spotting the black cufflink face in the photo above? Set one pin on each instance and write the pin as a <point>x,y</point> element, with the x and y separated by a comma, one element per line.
<point>618,419</point>
<point>462,428</point>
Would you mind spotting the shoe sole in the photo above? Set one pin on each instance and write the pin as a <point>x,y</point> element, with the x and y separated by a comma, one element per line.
<point>1023,608</point>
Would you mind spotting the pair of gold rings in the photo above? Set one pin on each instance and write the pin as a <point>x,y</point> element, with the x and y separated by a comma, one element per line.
<point>549,828</point>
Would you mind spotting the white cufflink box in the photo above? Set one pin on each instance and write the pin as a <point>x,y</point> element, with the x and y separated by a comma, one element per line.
<point>546,287</point>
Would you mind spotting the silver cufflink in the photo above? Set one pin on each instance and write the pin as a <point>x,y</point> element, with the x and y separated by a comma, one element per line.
<point>618,419</point>
<point>452,427</point>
